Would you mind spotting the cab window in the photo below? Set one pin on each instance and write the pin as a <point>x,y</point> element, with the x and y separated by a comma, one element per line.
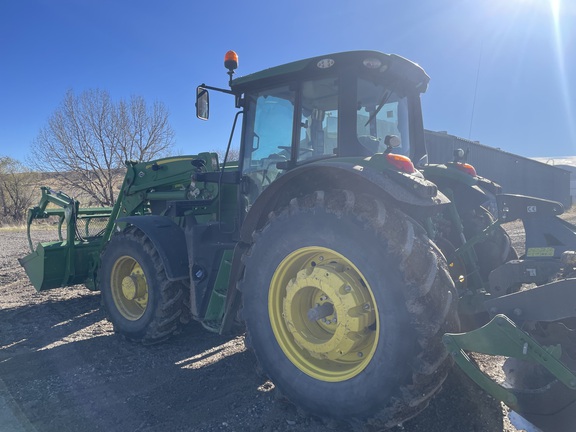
<point>268,135</point>
<point>319,119</point>
<point>381,112</point>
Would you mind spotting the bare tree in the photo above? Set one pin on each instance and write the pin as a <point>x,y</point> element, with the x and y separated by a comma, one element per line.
<point>17,188</point>
<point>89,137</point>
<point>233,155</point>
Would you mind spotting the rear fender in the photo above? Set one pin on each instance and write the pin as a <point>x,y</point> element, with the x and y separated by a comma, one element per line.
<point>465,190</point>
<point>412,192</point>
<point>168,239</point>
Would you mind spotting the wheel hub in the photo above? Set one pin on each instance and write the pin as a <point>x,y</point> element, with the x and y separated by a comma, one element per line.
<point>132,287</point>
<point>323,315</point>
<point>336,335</point>
<point>129,288</point>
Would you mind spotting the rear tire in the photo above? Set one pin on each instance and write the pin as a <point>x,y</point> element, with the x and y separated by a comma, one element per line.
<point>374,355</point>
<point>142,304</point>
<point>496,249</point>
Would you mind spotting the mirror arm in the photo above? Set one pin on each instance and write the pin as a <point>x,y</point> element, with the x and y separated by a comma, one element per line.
<point>204,86</point>
<point>239,100</point>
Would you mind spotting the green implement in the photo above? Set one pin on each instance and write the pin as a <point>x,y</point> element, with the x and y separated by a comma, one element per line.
<point>71,259</point>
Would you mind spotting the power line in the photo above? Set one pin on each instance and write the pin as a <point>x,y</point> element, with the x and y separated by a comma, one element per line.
<point>475,89</point>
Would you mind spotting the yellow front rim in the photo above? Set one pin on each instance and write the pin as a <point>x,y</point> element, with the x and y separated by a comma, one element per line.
<point>129,288</point>
<point>323,314</point>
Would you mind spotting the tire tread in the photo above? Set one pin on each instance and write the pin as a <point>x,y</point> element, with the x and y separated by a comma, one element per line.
<point>429,300</point>
<point>167,317</point>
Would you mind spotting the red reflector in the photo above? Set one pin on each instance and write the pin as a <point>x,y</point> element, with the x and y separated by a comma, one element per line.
<point>467,168</point>
<point>401,162</point>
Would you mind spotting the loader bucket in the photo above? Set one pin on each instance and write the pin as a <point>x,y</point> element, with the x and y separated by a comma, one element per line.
<point>56,264</point>
<point>72,259</point>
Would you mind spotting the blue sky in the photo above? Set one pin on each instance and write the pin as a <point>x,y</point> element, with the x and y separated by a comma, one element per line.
<point>519,55</point>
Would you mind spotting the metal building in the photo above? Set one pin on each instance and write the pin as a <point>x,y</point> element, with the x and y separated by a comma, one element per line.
<point>565,162</point>
<point>516,174</point>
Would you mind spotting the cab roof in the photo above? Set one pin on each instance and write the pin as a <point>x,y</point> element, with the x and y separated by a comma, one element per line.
<point>391,64</point>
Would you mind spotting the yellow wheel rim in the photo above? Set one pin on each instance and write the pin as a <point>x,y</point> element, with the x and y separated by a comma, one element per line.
<point>129,288</point>
<point>323,314</point>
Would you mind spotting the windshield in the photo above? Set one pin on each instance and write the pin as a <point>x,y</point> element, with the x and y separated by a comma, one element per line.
<point>381,113</point>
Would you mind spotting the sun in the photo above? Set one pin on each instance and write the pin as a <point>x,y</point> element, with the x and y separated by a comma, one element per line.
<point>555,6</point>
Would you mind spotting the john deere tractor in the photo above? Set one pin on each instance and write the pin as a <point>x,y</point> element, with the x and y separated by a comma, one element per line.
<point>348,261</point>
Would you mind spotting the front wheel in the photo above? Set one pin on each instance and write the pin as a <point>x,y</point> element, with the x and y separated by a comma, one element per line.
<point>345,302</point>
<point>142,304</point>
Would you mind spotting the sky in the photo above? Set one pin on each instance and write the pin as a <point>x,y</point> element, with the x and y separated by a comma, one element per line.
<point>503,72</point>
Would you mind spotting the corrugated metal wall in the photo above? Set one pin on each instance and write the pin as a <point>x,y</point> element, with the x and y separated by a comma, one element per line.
<point>516,174</point>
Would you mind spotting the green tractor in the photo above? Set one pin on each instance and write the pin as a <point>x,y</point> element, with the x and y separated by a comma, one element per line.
<point>349,267</point>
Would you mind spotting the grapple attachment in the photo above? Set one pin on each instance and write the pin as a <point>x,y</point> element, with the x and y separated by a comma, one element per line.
<point>71,259</point>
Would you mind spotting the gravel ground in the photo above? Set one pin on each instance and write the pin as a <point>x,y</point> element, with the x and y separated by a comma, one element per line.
<point>63,369</point>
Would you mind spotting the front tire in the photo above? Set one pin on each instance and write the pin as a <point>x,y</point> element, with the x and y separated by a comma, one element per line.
<point>345,302</point>
<point>142,304</point>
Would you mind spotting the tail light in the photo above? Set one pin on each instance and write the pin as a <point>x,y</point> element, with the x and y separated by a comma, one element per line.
<point>401,162</point>
<point>467,168</point>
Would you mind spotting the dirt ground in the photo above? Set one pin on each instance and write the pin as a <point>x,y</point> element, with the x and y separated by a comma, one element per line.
<point>63,369</point>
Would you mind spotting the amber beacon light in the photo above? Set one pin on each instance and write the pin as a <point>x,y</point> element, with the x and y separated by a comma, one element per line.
<point>231,62</point>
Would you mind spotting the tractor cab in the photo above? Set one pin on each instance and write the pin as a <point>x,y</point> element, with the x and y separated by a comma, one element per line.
<point>352,104</point>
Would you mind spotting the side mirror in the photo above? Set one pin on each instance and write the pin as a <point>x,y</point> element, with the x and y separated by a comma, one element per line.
<point>202,103</point>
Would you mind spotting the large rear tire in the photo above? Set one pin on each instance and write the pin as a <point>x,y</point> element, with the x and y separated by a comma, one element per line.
<point>496,249</point>
<point>345,301</point>
<point>142,304</point>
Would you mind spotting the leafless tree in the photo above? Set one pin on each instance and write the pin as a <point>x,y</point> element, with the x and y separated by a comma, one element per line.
<point>233,155</point>
<point>17,188</point>
<point>89,137</point>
